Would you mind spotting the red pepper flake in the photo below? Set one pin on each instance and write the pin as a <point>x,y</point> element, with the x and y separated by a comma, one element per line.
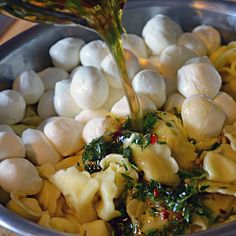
<point>198,162</point>
<point>153,138</point>
<point>178,216</point>
<point>164,214</point>
<point>117,134</point>
<point>155,192</point>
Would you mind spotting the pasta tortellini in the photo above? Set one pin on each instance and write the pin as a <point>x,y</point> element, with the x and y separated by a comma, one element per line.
<point>170,130</point>
<point>213,163</point>
<point>79,188</point>
<point>153,160</point>
<point>108,190</point>
<point>121,166</point>
<point>230,133</point>
<point>26,207</point>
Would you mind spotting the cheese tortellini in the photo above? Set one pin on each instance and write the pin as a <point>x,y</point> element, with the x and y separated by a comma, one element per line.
<point>155,158</point>
<point>79,188</point>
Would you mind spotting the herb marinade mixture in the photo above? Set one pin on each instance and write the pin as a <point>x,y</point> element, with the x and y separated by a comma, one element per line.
<point>175,206</point>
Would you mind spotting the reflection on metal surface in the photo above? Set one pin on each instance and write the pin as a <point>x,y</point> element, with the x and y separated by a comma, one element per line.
<point>203,5</point>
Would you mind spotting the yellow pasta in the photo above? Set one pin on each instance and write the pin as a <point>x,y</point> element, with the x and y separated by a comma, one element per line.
<point>60,223</point>
<point>75,160</point>
<point>26,207</point>
<point>224,59</point>
<point>48,197</point>
<point>46,170</point>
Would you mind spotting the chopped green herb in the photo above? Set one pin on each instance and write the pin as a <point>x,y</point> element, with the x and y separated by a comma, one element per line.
<point>149,121</point>
<point>93,154</point>
<point>127,153</point>
<point>125,166</point>
<point>161,142</point>
<point>186,199</point>
<point>178,114</point>
<point>122,226</point>
<point>192,141</point>
<point>203,188</point>
<point>169,124</point>
<point>152,233</point>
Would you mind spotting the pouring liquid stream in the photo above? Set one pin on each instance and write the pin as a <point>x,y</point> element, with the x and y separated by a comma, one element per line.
<point>103,16</point>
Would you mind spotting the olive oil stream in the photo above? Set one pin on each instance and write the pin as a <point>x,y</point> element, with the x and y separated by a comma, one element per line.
<point>103,16</point>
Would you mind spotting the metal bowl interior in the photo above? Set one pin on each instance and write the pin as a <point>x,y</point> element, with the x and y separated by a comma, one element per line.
<point>30,51</point>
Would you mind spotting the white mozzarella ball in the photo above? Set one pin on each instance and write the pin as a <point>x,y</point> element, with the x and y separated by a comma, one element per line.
<point>29,85</point>
<point>93,53</point>
<point>46,121</point>
<point>95,128</point>
<point>113,96</point>
<point>155,60</point>
<point>160,32</point>
<point>46,105</point>
<point>228,105</point>
<point>19,176</point>
<point>209,35</point>
<point>191,41</point>
<point>135,44</point>
<point>172,58</point>
<point>111,72</point>
<point>64,103</point>
<point>89,88</point>
<point>152,85</point>
<point>65,53</point>
<point>12,107</point>
<point>86,115</point>
<point>51,75</point>
<point>171,84</point>
<point>11,146</point>
<point>195,60</point>
<point>38,148</point>
<point>148,63</point>
<point>121,108</point>
<point>199,78</point>
<point>73,72</point>
<point>65,134</point>
<point>6,128</point>
<point>174,103</point>
<point>202,118</point>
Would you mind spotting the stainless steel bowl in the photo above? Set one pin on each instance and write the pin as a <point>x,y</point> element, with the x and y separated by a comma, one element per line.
<point>30,51</point>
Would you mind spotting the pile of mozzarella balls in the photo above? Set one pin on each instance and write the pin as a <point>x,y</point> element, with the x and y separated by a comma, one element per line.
<point>169,70</point>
